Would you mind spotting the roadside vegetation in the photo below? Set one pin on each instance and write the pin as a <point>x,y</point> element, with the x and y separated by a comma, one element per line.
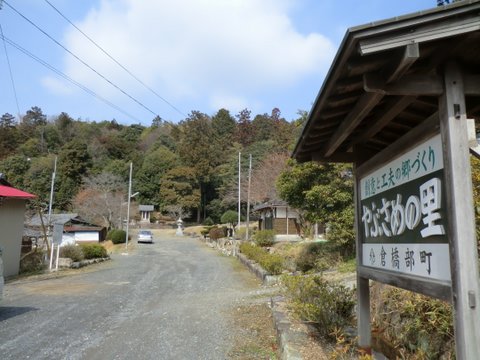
<point>117,236</point>
<point>405,324</point>
<point>83,252</point>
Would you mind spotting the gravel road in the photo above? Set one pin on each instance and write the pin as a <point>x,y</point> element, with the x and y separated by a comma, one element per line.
<point>168,300</point>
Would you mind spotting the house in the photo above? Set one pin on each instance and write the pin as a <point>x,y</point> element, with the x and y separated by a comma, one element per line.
<point>145,213</point>
<point>12,216</point>
<point>75,229</point>
<point>278,216</point>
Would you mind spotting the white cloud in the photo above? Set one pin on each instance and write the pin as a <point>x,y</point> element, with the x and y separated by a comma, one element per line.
<point>210,51</point>
<point>230,102</point>
<point>56,86</point>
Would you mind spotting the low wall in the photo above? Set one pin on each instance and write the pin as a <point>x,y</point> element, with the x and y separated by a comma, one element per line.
<point>259,272</point>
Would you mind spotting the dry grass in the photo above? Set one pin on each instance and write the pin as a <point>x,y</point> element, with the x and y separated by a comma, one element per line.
<point>257,338</point>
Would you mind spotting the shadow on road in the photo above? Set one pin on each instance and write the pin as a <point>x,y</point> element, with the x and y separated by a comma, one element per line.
<point>7,312</point>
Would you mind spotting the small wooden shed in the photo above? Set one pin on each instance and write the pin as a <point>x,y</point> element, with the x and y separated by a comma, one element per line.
<point>395,86</point>
<point>278,216</point>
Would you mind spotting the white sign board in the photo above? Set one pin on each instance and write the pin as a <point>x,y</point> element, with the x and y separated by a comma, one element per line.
<point>57,233</point>
<point>403,219</point>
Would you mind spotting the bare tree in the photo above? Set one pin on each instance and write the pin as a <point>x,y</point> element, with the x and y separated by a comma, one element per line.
<point>264,176</point>
<point>177,211</point>
<point>101,199</point>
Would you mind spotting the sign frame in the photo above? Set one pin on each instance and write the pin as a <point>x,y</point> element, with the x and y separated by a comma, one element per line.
<point>434,288</point>
<point>463,290</point>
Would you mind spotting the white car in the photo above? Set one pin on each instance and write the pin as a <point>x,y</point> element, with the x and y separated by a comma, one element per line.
<point>145,236</point>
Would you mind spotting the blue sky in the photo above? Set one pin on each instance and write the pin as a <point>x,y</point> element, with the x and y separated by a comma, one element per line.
<point>195,54</point>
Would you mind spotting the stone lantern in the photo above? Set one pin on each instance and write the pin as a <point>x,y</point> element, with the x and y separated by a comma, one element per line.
<point>179,227</point>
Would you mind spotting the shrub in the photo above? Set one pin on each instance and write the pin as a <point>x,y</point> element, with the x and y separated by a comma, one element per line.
<point>241,234</point>
<point>317,256</point>
<point>216,233</point>
<point>249,250</point>
<point>118,236</point>
<point>264,238</point>
<point>72,251</point>
<point>208,221</point>
<point>93,251</point>
<point>326,304</point>
<point>110,233</point>
<point>272,263</point>
<point>32,262</point>
<point>204,232</point>
<point>413,323</point>
<point>229,217</point>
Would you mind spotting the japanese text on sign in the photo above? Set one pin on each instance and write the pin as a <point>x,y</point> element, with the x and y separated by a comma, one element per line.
<point>393,216</point>
<point>412,165</point>
<point>427,260</point>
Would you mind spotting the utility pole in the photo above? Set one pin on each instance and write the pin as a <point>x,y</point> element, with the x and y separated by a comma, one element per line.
<point>49,219</point>
<point>128,204</point>
<point>248,196</point>
<point>239,200</point>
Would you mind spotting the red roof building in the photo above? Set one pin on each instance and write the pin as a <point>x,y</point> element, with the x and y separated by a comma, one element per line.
<point>12,216</point>
<point>11,192</point>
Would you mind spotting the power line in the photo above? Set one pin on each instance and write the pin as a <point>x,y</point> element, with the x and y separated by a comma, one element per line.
<point>114,60</point>
<point>9,67</point>
<point>79,59</point>
<point>66,77</point>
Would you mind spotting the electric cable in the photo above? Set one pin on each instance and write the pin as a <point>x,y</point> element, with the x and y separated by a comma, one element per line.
<point>66,77</point>
<point>10,69</point>
<point>115,60</point>
<point>79,59</point>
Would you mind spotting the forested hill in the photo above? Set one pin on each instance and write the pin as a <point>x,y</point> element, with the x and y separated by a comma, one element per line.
<point>191,166</point>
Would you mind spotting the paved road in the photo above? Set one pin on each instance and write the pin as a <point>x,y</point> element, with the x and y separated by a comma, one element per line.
<point>169,300</point>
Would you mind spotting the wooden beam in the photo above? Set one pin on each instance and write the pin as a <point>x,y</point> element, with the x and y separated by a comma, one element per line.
<point>369,100</point>
<point>345,99</point>
<point>349,84</point>
<point>335,112</point>
<point>437,30</point>
<point>363,153</point>
<point>361,66</point>
<point>461,219</point>
<point>426,129</point>
<point>436,289</point>
<point>361,109</point>
<point>394,108</point>
<point>336,158</point>
<point>471,84</point>
<point>318,135</point>
<point>413,85</point>
<point>322,126</point>
<point>410,54</point>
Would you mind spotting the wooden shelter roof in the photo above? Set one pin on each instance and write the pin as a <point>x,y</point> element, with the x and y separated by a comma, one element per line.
<point>385,80</point>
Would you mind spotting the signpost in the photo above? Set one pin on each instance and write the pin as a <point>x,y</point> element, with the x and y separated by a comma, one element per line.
<point>395,104</point>
<point>415,219</point>
<point>403,217</point>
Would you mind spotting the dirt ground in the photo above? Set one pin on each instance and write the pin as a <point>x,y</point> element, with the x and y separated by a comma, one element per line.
<point>257,339</point>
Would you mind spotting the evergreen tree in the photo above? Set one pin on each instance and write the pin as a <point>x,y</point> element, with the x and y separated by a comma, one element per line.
<point>73,164</point>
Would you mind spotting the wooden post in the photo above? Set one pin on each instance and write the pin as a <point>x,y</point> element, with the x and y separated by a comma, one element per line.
<point>461,221</point>
<point>363,284</point>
